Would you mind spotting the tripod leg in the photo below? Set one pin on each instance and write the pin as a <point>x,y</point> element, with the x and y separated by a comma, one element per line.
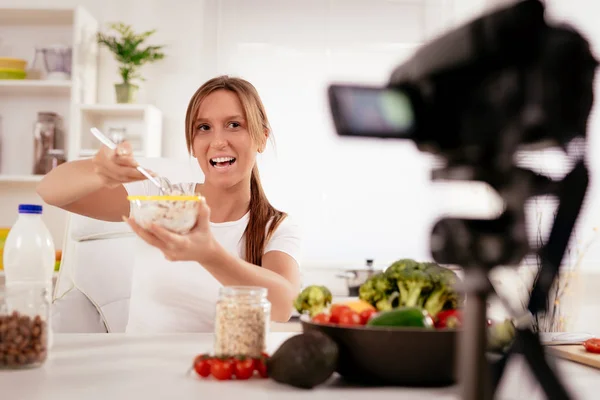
<point>474,366</point>
<point>535,357</point>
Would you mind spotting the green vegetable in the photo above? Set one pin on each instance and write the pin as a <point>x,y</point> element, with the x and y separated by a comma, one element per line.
<point>413,281</point>
<point>313,300</point>
<point>444,295</point>
<point>386,304</point>
<point>500,335</point>
<point>304,360</point>
<point>408,283</point>
<point>378,291</point>
<point>403,317</point>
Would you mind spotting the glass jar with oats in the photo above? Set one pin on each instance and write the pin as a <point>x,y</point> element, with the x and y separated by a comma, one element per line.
<point>242,321</point>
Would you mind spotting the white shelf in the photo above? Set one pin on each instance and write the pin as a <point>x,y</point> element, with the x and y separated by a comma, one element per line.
<point>20,178</point>
<point>142,124</point>
<point>36,16</point>
<point>35,87</point>
<point>118,110</point>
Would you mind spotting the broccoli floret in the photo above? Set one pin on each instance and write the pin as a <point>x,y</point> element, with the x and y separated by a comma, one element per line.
<point>383,305</point>
<point>376,288</point>
<point>313,300</point>
<point>388,303</point>
<point>444,294</point>
<point>412,280</point>
<point>397,267</point>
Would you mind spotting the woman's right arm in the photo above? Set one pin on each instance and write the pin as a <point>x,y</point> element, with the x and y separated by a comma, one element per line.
<point>93,187</point>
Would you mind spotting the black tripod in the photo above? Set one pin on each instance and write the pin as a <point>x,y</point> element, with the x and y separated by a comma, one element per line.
<point>475,97</point>
<point>479,245</point>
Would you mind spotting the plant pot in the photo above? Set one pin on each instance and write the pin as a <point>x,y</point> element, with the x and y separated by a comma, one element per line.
<point>126,92</point>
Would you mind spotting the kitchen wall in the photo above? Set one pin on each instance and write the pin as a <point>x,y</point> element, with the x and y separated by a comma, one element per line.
<point>355,199</point>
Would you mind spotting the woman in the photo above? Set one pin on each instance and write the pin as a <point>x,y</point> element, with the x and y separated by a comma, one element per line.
<point>239,238</point>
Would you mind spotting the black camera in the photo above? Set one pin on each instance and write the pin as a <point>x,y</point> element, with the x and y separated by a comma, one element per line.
<point>476,96</point>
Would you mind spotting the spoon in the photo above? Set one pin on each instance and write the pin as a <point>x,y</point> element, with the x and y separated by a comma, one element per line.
<point>164,185</point>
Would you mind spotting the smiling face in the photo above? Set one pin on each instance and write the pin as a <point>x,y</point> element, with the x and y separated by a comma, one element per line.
<point>222,142</point>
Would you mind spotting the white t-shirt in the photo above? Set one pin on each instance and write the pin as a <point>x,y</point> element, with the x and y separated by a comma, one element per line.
<point>181,296</point>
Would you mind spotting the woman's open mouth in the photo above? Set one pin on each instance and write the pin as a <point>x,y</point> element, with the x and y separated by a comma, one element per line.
<point>222,162</point>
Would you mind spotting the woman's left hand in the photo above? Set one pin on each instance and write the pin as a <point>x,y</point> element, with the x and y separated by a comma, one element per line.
<point>196,245</point>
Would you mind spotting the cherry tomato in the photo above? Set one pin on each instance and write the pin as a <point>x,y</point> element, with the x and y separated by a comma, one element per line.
<point>366,315</point>
<point>260,364</point>
<point>244,368</point>
<point>321,318</point>
<point>222,369</point>
<point>202,365</point>
<point>335,312</point>
<point>349,318</point>
<point>592,345</point>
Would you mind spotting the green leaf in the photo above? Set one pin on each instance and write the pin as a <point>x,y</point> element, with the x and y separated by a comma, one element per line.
<point>129,49</point>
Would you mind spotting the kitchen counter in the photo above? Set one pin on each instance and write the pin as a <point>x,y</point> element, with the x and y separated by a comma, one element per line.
<point>119,366</point>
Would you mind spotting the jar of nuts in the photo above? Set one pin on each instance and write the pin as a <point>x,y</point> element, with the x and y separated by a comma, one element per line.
<point>24,316</point>
<point>242,321</point>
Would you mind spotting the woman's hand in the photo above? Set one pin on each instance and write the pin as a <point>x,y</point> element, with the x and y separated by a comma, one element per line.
<point>116,167</point>
<point>197,245</point>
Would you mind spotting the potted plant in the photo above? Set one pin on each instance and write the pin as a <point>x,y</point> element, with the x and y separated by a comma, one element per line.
<point>128,50</point>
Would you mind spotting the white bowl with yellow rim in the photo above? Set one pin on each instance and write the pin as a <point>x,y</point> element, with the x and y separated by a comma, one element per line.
<point>175,213</point>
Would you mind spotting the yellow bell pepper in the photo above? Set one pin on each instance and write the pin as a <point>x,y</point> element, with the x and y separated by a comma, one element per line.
<point>358,305</point>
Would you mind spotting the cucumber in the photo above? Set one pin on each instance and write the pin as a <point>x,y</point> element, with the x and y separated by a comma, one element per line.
<point>403,317</point>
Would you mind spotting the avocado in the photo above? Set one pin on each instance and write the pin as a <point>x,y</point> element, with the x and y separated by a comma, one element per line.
<point>403,317</point>
<point>304,361</point>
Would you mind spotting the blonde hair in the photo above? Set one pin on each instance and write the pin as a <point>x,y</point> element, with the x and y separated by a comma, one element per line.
<point>261,211</point>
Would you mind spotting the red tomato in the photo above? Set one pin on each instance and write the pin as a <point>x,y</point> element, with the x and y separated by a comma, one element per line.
<point>260,365</point>
<point>202,365</point>
<point>222,369</point>
<point>321,318</point>
<point>349,318</point>
<point>448,319</point>
<point>366,315</point>
<point>335,312</point>
<point>592,345</point>
<point>244,368</point>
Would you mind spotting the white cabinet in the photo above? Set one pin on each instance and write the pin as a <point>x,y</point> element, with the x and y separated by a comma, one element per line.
<point>140,124</point>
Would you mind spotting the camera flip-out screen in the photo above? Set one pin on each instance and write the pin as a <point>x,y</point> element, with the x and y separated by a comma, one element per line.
<point>372,111</point>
